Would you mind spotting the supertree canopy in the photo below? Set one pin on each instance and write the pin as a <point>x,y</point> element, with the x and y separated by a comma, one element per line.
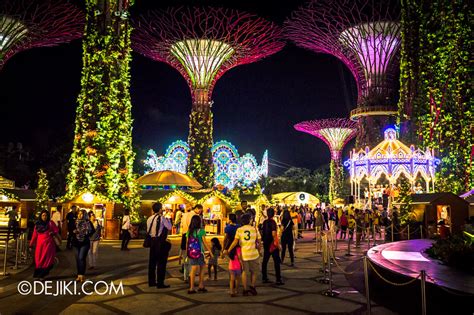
<point>335,133</point>
<point>102,159</point>
<point>202,44</point>
<point>26,24</point>
<point>365,36</point>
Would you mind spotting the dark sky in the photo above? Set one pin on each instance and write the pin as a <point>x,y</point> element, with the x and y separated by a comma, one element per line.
<point>255,105</point>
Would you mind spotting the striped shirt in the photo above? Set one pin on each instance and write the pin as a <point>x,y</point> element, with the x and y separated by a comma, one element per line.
<point>247,236</point>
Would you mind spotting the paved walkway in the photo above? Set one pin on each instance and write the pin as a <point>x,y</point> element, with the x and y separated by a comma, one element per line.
<point>301,294</point>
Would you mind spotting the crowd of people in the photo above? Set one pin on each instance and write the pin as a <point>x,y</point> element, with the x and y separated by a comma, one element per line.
<point>251,239</point>
<point>84,234</point>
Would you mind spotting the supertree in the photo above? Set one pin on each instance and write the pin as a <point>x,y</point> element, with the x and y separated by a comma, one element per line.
<point>365,36</point>
<point>26,24</point>
<point>102,158</point>
<point>202,44</point>
<point>335,133</point>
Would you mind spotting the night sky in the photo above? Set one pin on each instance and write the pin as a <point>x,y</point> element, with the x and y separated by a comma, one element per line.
<point>255,105</point>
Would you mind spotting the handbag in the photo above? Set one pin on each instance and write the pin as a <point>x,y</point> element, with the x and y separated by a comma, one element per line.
<point>272,248</point>
<point>147,240</point>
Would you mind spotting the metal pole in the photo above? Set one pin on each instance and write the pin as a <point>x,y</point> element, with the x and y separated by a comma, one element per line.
<point>421,231</point>
<point>375,243</point>
<point>408,231</point>
<point>16,254</point>
<point>392,231</point>
<point>330,291</point>
<point>5,273</point>
<point>366,277</point>
<point>349,247</point>
<point>423,292</point>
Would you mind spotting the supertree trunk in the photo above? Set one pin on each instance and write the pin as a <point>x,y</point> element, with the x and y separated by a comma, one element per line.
<point>102,157</point>
<point>200,143</point>
<point>336,180</point>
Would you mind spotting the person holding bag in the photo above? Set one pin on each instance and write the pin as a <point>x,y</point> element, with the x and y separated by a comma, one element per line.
<point>270,247</point>
<point>287,237</point>
<point>157,231</point>
<point>45,248</point>
<point>82,233</point>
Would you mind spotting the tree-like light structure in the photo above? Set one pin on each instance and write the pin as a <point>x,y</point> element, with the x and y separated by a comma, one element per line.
<point>202,44</point>
<point>365,36</point>
<point>102,159</point>
<point>26,24</point>
<point>335,133</point>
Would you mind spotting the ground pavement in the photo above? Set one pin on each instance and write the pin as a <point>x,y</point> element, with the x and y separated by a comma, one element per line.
<point>301,294</point>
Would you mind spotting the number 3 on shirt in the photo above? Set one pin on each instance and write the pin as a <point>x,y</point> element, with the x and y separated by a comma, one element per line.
<point>247,235</point>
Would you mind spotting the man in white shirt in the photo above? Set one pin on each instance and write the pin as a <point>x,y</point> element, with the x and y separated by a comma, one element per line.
<point>158,227</point>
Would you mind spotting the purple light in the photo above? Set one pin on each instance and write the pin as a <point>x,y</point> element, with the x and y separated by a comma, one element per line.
<point>363,34</point>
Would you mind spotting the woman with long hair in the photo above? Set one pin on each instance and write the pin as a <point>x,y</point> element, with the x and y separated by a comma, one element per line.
<point>82,233</point>
<point>287,237</point>
<point>196,241</point>
<point>45,248</point>
<point>94,239</point>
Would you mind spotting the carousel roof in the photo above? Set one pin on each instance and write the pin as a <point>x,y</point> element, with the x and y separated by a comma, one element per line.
<point>390,146</point>
<point>168,178</point>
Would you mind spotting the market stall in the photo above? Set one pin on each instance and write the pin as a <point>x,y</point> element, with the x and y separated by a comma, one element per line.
<point>295,198</point>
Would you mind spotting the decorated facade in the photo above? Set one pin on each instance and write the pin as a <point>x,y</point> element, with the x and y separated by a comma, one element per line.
<point>391,159</point>
<point>230,169</point>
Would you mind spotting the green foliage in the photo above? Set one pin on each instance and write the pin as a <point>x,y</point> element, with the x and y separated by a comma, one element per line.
<point>435,105</point>
<point>456,251</point>
<point>102,158</point>
<point>300,179</point>
<point>200,141</point>
<point>42,196</point>
<point>405,199</point>
<point>336,180</point>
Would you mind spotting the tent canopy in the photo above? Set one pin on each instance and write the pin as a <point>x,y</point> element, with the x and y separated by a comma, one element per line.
<point>295,198</point>
<point>168,178</point>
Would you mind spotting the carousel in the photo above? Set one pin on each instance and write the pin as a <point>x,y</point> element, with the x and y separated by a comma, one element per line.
<point>387,162</point>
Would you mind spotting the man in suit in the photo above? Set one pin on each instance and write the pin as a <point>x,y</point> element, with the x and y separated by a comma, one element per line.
<point>158,227</point>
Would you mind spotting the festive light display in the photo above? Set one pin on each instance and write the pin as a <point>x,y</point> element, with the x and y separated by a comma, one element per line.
<point>391,158</point>
<point>230,169</point>
<point>365,36</point>
<point>335,133</point>
<point>42,191</point>
<point>202,44</point>
<point>26,24</point>
<point>102,159</point>
<point>435,107</point>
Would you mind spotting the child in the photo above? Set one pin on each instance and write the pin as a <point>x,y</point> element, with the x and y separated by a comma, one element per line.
<point>235,270</point>
<point>216,252</point>
<point>351,224</point>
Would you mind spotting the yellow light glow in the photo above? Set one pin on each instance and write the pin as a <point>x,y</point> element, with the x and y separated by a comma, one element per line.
<point>87,197</point>
<point>202,58</point>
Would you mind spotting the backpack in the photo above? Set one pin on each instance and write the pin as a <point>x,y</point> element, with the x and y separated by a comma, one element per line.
<point>194,247</point>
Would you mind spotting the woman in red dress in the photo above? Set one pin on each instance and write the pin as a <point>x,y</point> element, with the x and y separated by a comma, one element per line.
<point>45,250</point>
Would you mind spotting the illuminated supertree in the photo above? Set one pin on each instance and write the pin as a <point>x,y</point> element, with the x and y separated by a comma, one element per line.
<point>102,158</point>
<point>365,36</point>
<point>26,24</point>
<point>202,44</point>
<point>335,133</point>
